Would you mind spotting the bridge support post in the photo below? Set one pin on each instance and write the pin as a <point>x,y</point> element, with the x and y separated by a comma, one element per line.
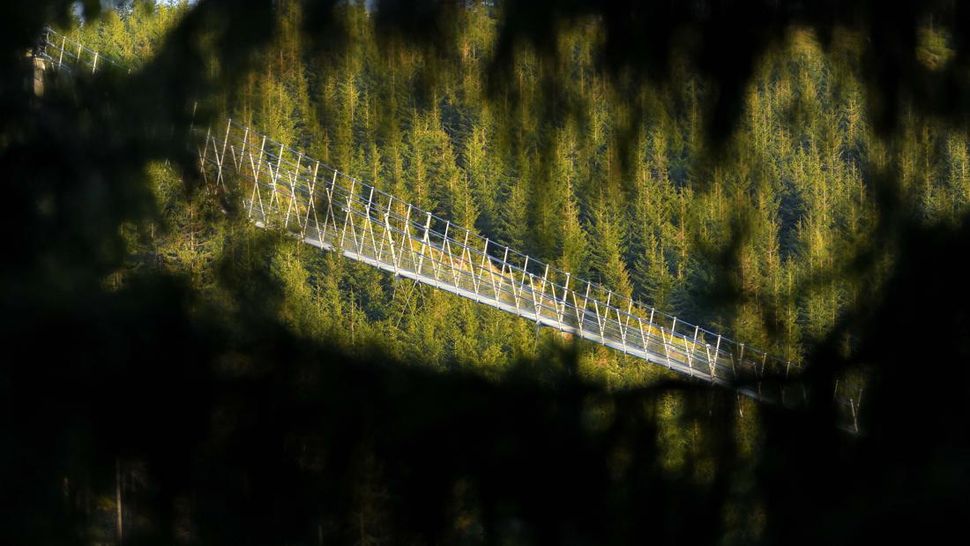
<point>39,66</point>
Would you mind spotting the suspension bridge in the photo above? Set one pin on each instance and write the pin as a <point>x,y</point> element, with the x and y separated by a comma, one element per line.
<point>285,189</point>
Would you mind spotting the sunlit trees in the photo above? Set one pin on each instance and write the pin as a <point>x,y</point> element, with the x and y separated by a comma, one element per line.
<point>770,223</point>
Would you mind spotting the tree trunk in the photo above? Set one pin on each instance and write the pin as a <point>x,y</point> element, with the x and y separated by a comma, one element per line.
<point>118,509</point>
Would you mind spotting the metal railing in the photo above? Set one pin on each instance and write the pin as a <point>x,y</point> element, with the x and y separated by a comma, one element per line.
<point>283,188</point>
<point>67,54</point>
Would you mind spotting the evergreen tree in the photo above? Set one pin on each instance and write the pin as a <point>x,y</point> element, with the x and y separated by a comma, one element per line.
<point>483,172</point>
<point>573,247</point>
<point>651,212</point>
<point>607,251</point>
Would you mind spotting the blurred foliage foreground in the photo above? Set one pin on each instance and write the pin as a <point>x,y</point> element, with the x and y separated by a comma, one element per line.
<point>172,375</point>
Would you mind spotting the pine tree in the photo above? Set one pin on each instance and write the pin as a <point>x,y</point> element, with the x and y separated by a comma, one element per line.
<point>574,249</point>
<point>958,173</point>
<point>514,215</point>
<point>483,172</point>
<point>607,245</point>
<point>651,231</point>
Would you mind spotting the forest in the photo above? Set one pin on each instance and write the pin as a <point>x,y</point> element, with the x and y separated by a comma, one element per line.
<point>319,400</point>
<point>613,187</point>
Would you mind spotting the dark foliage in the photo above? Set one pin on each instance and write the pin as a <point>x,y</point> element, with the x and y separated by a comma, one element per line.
<point>250,435</point>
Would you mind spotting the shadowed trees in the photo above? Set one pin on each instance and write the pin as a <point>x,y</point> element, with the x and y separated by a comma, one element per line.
<point>231,422</point>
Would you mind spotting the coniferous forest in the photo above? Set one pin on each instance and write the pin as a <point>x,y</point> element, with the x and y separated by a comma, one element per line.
<point>795,177</point>
<point>614,187</point>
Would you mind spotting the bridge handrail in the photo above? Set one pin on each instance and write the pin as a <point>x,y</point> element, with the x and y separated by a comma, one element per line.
<point>533,268</point>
